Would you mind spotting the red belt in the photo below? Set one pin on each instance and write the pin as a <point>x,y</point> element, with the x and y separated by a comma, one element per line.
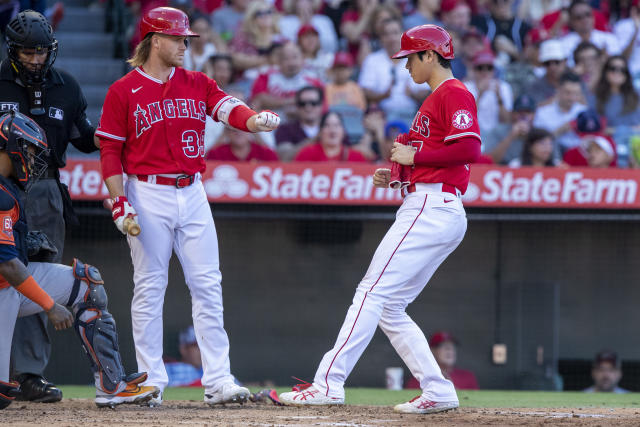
<point>178,182</point>
<point>447,188</point>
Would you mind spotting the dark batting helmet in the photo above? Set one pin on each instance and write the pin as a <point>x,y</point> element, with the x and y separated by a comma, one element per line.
<point>26,144</point>
<point>30,30</point>
<point>166,20</point>
<point>426,37</point>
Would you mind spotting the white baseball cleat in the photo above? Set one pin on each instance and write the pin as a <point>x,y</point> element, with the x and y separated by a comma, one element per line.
<point>228,393</point>
<point>309,396</point>
<point>422,405</point>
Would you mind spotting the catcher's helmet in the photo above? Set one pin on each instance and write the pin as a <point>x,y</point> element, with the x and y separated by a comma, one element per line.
<point>30,30</point>
<point>26,144</point>
<point>166,20</point>
<point>426,37</point>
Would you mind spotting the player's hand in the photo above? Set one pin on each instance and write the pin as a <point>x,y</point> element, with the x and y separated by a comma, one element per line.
<point>60,317</point>
<point>266,121</point>
<point>402,154</point>
<point>382,177</point>
<point>122,209</point>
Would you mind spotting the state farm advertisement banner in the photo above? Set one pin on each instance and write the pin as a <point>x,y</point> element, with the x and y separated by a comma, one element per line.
<point>350,184</point>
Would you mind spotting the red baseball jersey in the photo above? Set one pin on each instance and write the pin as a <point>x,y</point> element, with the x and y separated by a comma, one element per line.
<point>160,124</point>
<point>315,153</point>
<point>449,113</point>
<point>258,152</point>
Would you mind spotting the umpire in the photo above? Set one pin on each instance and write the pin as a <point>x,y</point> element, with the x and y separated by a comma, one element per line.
<point>29,84</point>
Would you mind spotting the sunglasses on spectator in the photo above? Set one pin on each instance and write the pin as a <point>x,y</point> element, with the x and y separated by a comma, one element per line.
<point>265,12</point>
<point>617,69</point>
<point>552,62</point>
<point>483,67</point>
<point>311,103</point>
<point>582,15</point>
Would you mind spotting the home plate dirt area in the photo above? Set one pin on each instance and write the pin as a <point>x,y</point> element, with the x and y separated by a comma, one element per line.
<point>83,412</point>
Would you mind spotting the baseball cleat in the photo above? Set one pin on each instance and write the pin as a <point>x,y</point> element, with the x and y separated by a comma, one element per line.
<point>228,393</point>
<point>422,405</point>
<point>135,378</point>
<point>132,394</point>
<point>265,396</point>
<point>154,402</point>
<point>307,395</point>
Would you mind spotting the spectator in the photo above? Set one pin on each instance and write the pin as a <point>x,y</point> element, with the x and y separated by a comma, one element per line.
<point>200,48</point>
<point>239,146</point>
<point>556,117</point>
<point>386,81</point>
<point>381,14</point>
<point>596,151</point>
<point>331,145</point>
<point>300,13</point>
<point>493,96</point>
<point>606,373</point>
<point>506,32</point>
<point>626,31</point>
<point>506,141</point>
<point>522,72</point>
<point>219,68</point>
<point>588,59</point>
<point>315,59</point>
<point>373,137</point>
<point>582,21</point>
<point>187,372</point>
<point>251,45</point>
<point>538,150</point>
<point>343,90</point>
<point>227,19</point>
<point>472,43</point>
<point>456,16</point>
<point>614,97</point>
<point>425,13</point>
<point>553,58</point>
<point>444,348</point>
<point>355,27</point>
<point>276,89</point>
<point>293,135</point>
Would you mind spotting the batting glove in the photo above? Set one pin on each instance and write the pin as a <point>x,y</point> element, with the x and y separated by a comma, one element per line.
<point>122,209</point>
<point>267,121</point>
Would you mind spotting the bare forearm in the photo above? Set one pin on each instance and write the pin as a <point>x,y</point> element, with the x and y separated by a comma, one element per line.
<point>14,271</point>
<point>115,185</point>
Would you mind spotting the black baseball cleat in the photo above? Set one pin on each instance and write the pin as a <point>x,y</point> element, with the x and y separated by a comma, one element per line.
<point>37,389</point>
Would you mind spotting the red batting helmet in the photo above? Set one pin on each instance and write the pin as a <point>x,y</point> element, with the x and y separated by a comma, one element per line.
<point>426,37</point>
<point>166,20</point>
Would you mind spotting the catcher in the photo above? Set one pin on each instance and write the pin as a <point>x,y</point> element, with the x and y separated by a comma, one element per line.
<point>31,287</point>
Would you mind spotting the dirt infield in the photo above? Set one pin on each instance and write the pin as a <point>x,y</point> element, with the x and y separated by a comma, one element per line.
<point>83,412</point>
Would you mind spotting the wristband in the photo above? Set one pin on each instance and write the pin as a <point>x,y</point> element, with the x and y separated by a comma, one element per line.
<point>30,289</point>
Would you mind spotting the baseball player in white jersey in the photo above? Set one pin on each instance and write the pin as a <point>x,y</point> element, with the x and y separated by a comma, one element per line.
<point>431,222</point>
<point>152,128</point>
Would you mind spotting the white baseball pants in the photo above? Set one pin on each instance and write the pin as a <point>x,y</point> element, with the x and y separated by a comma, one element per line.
<point>429,225</point>
<point>176,219</point>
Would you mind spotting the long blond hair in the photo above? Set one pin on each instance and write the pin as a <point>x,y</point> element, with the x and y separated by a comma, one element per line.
<point>249,26</point>
<point>141,53</point>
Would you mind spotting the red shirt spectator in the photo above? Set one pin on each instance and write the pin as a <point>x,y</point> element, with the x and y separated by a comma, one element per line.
<point>240,148</point>
<point>597,150</point>
<point>331,143</point>
<point>316,153</point>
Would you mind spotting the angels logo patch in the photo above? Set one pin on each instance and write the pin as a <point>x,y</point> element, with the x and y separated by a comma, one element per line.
<point>462,119</point>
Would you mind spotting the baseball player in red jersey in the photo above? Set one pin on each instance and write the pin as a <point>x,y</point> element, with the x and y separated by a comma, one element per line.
<point>152,128</point>
<point>444,139</point>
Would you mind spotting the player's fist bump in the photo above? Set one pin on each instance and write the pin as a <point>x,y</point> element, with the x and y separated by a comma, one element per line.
<point>121,210</point>
<point>266,121</point>
<point>381,177</point>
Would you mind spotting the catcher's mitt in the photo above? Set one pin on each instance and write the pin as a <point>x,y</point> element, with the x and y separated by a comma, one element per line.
<point>39,247</point>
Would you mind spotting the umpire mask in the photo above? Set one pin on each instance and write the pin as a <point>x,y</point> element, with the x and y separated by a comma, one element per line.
<point>26,144</point>
<point>31,31</point>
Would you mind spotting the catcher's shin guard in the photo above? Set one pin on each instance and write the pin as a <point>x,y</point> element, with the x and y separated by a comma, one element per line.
<point>96,327</point>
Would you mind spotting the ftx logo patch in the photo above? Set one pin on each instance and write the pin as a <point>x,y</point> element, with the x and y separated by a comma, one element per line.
<point>8,106</point>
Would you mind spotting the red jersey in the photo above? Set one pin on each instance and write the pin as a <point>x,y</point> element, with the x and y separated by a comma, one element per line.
<point>447,114</point>
<point>258,152</point>
<point>160,124</point>
<point>315,153</point>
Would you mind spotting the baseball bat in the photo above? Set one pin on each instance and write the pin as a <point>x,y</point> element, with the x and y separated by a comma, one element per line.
<point>131,227</point>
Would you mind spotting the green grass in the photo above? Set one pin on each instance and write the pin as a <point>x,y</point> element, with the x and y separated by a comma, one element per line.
<point>472,399</point>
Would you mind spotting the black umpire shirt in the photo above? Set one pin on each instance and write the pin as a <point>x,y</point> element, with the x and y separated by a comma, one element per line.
<point>65,119</point>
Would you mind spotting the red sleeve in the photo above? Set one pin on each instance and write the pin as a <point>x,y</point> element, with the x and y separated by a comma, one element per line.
<point>464,151</point>
<point>110,157</point>
<point>113,121</point>
<point>239,116</point>
<point>460,116</point>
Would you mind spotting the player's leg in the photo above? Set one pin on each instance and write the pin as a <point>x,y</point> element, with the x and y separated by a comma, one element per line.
<point>150,253</point>
<point>196,245</point>
<point>81,288</point>
<point>9,306</point>
<point>31,347</point>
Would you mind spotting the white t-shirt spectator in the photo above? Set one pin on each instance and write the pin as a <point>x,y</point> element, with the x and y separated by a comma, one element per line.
<point>488,107</point>
<point>551,117</point>
<point>624,30</point>
<point>196,62</point>
<point>290,24</point>
<point>604,40</point>
<point>378,73</point>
